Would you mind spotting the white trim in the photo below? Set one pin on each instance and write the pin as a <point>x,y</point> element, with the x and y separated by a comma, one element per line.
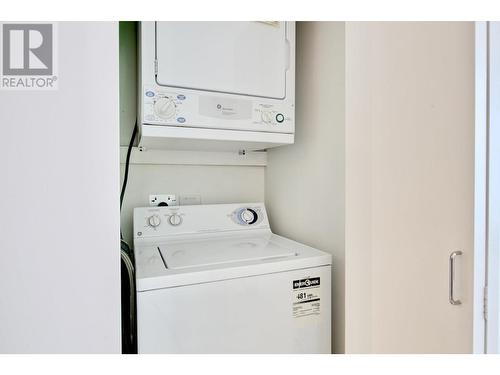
<point>480,187</point>
<point>179,157</point>
<point>185,138</point>
<point>493,210</point>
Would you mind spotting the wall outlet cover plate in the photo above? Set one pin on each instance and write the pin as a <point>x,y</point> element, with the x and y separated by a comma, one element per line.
<point>163,200</point>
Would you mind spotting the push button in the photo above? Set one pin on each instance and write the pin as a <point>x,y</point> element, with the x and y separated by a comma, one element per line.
<point>280,118</point>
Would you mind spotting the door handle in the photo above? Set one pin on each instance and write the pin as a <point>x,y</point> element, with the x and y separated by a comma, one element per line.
<point>288,52</point>
<point>453,301</point>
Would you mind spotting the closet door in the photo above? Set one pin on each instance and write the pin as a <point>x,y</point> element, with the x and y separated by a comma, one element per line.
<point>409,187</point>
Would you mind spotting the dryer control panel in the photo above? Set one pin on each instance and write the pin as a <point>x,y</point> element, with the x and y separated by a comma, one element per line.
<point>193,109</point>
<point>153,222</point>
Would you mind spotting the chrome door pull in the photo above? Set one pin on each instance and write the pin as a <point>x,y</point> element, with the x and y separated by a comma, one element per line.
<point>453,255</point>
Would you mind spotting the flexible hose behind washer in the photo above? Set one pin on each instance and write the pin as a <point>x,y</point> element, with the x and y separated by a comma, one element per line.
<point>129,265</point>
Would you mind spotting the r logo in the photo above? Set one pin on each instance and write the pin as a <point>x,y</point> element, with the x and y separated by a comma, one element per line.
<point>27,49</point>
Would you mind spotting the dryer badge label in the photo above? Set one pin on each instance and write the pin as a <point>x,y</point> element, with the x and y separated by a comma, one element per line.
<point>306,300</point>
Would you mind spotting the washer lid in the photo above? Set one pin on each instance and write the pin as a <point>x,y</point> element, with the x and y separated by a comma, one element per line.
<point>205,259</point>
<point>185,255</point>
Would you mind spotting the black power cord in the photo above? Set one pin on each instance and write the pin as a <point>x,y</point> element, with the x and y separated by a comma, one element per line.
<point>127,164</point>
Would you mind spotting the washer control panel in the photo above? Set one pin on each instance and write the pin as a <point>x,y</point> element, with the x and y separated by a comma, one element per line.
<point>175,220</point>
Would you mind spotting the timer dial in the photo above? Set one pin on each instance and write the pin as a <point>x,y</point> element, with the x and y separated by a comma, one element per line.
<point>175,219</point>
<point>165,108</point>
<point>154,221</point>
<point>248,216</point>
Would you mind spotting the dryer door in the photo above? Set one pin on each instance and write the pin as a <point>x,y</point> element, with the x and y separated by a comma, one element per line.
<point>245,58</point>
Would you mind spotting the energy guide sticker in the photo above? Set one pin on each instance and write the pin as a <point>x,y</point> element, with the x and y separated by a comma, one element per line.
<point>306,300</point>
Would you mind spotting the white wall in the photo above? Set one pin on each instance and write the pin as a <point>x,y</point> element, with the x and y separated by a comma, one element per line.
<point>358,233</point>
<point>305,181</point>
<point>59,203</point>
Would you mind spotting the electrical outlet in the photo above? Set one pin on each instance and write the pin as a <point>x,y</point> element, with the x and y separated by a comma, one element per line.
<point>190,199</point>
<point>163,200</point>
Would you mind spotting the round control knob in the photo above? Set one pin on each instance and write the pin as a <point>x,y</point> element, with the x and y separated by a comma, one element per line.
<point>154,221</point>
<point>175,219</point>
<point>248,216</point>
<point>165,108</point>
<point>266,117</point>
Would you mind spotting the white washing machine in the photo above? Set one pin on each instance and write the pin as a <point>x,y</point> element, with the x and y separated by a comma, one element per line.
<point>215,279</point>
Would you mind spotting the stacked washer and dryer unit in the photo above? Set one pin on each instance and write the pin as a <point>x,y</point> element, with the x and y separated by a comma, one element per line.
<point>214,278</point>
